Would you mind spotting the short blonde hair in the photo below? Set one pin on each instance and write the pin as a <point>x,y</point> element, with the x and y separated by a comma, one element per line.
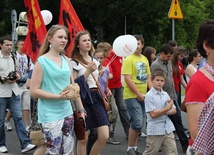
<point>105,46</point>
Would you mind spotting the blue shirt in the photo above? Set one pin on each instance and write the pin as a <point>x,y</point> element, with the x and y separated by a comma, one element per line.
<point>55,79</point>
<point>201,63</point>
<point>161,125</point>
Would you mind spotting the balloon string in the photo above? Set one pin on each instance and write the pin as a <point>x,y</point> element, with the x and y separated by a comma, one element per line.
<point>111,60</point>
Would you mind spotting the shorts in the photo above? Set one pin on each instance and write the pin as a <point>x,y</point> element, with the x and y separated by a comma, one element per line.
<point>25,98</point>
<point>59,136</point>
<point>136,112</point>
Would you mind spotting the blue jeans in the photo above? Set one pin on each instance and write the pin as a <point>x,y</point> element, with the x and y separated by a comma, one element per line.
<point>13,104</point>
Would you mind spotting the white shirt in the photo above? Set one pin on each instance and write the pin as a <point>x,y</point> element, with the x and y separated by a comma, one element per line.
<point>187,77</point>
<point>81,70</point>
<point>6,66</point>
<point>22,61</point>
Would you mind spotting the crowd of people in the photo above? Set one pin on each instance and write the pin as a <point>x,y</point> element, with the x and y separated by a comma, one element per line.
<point>148,97</point>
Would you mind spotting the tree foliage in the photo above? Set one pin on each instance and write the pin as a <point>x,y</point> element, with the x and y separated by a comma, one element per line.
<point>108,19</point>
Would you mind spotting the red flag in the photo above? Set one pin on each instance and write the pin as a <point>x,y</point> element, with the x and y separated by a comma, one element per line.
<point>69,18</point>
<point>36,30</point>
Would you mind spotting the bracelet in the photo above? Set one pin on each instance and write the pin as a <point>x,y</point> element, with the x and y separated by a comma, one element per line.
<point>82,111</point>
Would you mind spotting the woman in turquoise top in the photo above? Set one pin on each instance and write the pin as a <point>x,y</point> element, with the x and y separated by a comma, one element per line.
<point>50,76</point>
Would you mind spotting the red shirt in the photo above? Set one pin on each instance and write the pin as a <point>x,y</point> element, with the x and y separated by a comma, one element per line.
<point>115,69</point>
<point>176,78</point>
<point>199,88</point>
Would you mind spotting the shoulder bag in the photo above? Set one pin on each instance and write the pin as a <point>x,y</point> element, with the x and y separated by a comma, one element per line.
<point>79,122</point>
<point>36,135</point>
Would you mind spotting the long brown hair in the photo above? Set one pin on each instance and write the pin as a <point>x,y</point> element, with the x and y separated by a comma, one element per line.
<point>75,53</point>
<point>46,44</point>
<point>174,60</point>
<point>148,51</point>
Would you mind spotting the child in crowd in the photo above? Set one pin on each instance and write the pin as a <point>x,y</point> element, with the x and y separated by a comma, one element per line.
<point>159,127</point>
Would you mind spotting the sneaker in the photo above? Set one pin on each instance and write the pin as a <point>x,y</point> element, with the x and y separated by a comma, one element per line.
<point>3,149</point>
<point>138,152</point>
<point>8,126</point>
<point>131,152</point>
<point>27,128</point>
<point>29,148</point>
<point>143,135</point>
<point>113,141</point>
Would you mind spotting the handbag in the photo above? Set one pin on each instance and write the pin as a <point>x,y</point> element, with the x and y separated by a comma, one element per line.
<point>79,124</point>
<point>104,100</point>
<point>74,89</point>
<point>74,93</point>
<point>36,135</point>
<point>112,114</point>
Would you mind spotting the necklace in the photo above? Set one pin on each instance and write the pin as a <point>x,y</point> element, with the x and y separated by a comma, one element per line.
<point>209,68</point>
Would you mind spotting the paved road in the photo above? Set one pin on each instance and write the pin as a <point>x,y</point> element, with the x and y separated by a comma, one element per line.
<point>13,144</point>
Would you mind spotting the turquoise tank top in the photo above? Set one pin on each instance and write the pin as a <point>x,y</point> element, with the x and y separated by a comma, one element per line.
<point>55,79</point>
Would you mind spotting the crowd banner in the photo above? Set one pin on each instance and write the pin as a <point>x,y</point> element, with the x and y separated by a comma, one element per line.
<point>69,18</point>
<point>36,29</point>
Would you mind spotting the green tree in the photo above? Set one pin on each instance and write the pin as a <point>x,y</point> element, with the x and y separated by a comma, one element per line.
<point>106,19</point>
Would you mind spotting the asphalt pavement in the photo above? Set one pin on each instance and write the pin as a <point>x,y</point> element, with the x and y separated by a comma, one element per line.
<point>13,144</point>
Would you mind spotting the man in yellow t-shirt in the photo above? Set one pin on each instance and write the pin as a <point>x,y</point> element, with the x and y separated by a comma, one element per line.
<point>137,75</point>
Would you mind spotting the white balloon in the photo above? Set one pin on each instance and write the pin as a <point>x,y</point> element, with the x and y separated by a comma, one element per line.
<point>23,16</point>
<point>22,30</point>
<point>47,16</point>
<point>125,45</point>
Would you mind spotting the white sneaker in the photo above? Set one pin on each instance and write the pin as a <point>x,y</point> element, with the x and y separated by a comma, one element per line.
<point>143,135</point>
<point>3,149</point>
<point>8,126</point>
<point>29,148</point>
<point>27,128</point>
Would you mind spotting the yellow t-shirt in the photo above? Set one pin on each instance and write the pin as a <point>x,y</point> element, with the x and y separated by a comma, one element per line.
<point>138,68</point>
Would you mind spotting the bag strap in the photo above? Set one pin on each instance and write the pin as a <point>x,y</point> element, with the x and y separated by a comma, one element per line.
<point>73,103</point>
<point>34,120</point>
<point>14,60</point>
<point>98,86</point>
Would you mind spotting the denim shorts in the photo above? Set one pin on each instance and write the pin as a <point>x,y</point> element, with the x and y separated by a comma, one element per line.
<point>136,112</point>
